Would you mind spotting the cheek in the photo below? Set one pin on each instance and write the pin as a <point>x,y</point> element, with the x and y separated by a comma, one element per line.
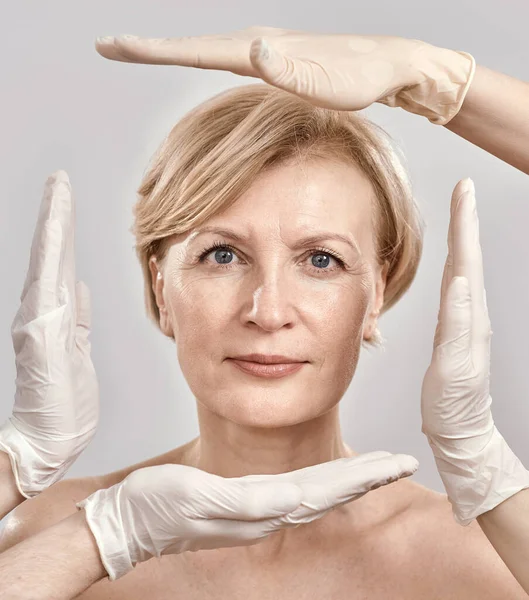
<point>197,312</point>
<point>341,321</point>
<point>347,311</point>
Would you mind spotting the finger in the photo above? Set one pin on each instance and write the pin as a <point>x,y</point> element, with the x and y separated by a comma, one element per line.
<point>294,519</point>
<point>219,52</point>
<point>68,217</point>
<point>448,271</point>
<point>456,319</point>
<point>448,268</point>
<point>337,489</point>
<point>42,297</point>
<point>447,275</point>
<point>106,47</point>
<point>344,480</point>
<point>54,206</point>
<point>83,320</point>
<point>216,533</point>
<point>352,479</point>
<point>336,468</point>
<point>67,287</point>
<point>313,470</point>
<point>290,74</point>
<point>246,533</point>
<point>249,501</point>
<point>468,262</point>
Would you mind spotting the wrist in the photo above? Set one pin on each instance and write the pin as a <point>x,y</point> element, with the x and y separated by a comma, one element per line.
<point>84,542</point>
<point>477,482</point>
<point>104,512</point>
<point>60,561</point>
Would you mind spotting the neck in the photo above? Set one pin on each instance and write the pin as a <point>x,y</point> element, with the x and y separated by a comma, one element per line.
<point>230,449</point>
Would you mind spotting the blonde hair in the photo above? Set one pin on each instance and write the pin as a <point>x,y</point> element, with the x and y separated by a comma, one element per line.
<point>215,152</point>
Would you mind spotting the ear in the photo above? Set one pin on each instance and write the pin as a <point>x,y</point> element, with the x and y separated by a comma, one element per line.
<point>380,286</point>
<point>157,283</point>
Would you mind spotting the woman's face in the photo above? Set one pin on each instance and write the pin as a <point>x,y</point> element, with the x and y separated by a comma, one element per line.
<point>273,294</point>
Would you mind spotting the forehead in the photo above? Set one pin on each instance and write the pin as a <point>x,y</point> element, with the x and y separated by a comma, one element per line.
<point>300,196</point>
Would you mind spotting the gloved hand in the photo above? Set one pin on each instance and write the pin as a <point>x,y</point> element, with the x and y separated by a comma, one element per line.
<point>169,509</point>
<point>338,71</point>
<point>476,465</point>
<point>56,407</point>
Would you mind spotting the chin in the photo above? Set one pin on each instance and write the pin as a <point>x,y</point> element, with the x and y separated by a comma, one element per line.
<point>267,408</point>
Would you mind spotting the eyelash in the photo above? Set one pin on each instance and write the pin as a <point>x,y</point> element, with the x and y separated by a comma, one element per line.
<point>321,250</point>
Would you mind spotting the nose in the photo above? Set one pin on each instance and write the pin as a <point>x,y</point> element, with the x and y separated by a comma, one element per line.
<point>270,304</point>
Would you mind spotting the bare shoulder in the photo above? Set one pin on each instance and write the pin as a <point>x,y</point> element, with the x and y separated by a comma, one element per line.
<point>461,556</point>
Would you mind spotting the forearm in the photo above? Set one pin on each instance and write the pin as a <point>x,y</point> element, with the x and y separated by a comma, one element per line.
<point>59,562</point>
<point>507,528</point>
<point>495,117</point>
<point>10,497</point>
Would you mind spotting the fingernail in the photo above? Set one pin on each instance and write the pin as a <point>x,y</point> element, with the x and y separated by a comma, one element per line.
<point>105,40</point>
<point>129,37</point>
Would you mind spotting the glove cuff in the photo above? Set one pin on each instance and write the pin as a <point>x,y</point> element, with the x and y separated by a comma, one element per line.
<point>32,474</point>
<point>478,484</point>
<point>22,458</point>
<point>103,516</point>
<point>442,80</point>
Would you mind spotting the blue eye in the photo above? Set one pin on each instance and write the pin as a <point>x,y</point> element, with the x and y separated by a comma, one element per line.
<point>227,248</point>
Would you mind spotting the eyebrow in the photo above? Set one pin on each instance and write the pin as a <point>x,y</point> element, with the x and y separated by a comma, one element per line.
<point>320,236</point>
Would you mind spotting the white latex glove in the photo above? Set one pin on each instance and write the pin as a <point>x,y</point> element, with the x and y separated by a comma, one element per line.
<point>56,407</point>
<point>336,71</point>
<point>169,509</point>
<point>477,467</point>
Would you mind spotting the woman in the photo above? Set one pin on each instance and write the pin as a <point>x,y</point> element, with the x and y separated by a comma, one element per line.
<point>269,292</point>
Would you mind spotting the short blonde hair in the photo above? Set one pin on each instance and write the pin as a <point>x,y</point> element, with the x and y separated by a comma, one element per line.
<point>215,152</point>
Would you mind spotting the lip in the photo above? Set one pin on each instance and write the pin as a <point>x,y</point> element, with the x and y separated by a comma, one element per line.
<point>267,359</point>
<point>272,371</point>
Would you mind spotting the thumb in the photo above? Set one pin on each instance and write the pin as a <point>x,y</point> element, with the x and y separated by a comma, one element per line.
<point>455,317</point>
<point>273,67</point>
<point>253,501</point>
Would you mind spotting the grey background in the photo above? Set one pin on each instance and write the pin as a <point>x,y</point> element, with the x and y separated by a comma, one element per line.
<point>65,107</point>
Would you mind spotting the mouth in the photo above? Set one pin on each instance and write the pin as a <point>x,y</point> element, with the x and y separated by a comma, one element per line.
<point>271,370</point>
<point>268,359</point>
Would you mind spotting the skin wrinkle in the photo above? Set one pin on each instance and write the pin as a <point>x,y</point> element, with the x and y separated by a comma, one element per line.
<point>273,300</point>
